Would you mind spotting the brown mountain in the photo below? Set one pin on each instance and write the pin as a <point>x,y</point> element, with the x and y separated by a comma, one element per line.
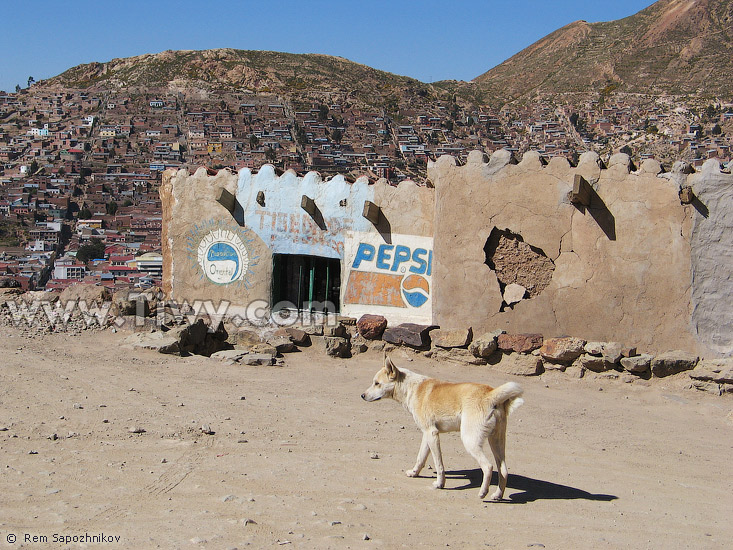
<point>679,47</point>
<point>234,70</point>
<point>673,46</point>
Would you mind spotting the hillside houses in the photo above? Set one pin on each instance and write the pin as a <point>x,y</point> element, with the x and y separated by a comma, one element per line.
<point>73,155</point>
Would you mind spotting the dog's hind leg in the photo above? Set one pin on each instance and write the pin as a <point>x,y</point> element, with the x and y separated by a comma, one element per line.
<point>473,440</point>
<point>434,444</point>
<point>422,457</point>
<point>497,440</point>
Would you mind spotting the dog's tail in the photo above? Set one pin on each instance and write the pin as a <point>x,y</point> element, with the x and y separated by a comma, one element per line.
<point>507,395</point>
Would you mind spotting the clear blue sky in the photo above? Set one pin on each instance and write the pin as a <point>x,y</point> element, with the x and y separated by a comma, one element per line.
<point>426,39</point>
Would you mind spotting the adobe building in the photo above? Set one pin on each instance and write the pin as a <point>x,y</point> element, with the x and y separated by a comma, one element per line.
<point>299,243</point>
<point>600,252</point>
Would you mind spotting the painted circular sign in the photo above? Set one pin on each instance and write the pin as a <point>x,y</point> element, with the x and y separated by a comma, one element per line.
<point>223,257</point>
<point>416,290</point>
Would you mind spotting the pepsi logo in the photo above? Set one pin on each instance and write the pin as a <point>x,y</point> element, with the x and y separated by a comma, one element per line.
<point>415,290</point>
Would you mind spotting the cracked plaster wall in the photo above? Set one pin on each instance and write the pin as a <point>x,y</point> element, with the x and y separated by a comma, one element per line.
<point>623,267</point>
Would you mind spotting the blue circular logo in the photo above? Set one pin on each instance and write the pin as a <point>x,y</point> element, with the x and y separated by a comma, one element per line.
<point>223,257</point>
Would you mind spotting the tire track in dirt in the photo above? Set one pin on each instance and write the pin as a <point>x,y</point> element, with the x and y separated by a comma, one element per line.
<point>181,468</point>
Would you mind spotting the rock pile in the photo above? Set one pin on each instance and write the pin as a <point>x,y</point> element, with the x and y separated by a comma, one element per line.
<point>165,327</point>
<point>76,309</point>
<point>532,355</point>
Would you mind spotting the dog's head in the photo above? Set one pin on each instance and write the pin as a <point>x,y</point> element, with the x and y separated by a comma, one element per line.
<point>384,382</point>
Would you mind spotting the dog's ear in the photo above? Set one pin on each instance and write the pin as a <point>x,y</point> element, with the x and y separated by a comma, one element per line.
<point>392,371</point>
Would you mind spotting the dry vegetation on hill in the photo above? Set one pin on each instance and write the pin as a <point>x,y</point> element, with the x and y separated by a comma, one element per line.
<point>672,47</point>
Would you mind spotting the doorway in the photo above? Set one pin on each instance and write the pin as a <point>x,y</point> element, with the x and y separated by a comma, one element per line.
<point>309,283</point>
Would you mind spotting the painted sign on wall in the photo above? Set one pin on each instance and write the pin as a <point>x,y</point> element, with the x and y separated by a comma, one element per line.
<point>393,278</point>
<point>280,221</point>
<point>218,251</point>
<point>223,257</point>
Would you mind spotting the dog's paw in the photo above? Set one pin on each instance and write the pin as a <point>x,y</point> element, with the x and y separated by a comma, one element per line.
<point>482,494</point>
<point>438,484</point>
<point>496,497</point>
<point>412,473</point>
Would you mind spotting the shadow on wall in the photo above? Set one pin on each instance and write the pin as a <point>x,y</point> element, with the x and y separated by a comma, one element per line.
<point>384,228</point>
<point>700,207</point>
<point>600,213</point>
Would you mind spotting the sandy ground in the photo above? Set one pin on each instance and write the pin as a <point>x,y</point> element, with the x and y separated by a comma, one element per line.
<point>299,460</point>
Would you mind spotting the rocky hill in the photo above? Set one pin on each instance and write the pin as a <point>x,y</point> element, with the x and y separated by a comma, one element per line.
<point>243,71</point>
<point>678,47</point>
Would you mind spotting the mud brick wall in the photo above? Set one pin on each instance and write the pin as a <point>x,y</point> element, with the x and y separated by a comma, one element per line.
<point>635,265</point>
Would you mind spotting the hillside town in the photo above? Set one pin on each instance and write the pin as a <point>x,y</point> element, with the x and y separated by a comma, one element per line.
<point>79,170</point>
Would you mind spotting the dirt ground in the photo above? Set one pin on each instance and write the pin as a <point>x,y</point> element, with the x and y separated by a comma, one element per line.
<point>299,460</point>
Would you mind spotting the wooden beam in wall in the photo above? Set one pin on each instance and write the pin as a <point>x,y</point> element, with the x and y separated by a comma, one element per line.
<point>686,195</point>
<point>581,192</point>
<point>371,212</point>
<point>227,200</point>
<point>309,205</point>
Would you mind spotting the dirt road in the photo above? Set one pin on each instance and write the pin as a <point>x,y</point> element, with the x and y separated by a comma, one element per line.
<point>298,460</point>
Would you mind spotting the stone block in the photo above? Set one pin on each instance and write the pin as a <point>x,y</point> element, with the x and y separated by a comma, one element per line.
<point>283,344</point>
<point>298,337</point>
<point>485,345</point>
<point>519,343</point>
<point>575,371</point>
<point>594,348</point>
<point>371,327</point>
<point>514,293</point>
<point>637,364</point>
<point>245,339</point>
<point>672,362</point>
<point>264,349</point>
<point>409,334</point>
<point>133,323</point>
<point>133,302</point>
<point>612,352</point>
<point>162,342</point>
<point>257,359</point>
<point>313,330</point>
<point>230,356</point>
<point>337,346</point>
<point>719,371</point>
<point>338,330</point>
<point>520,364</point>
<point>581,192</point>
<point>457,355</point>
<point>562,350</point>
<point>593,363</point>
<point>91,294</point>
<point>457,338</point>
<point>359,345</point>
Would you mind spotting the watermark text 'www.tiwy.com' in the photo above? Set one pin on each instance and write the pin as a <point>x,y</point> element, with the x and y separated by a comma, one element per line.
<point>103,314</point>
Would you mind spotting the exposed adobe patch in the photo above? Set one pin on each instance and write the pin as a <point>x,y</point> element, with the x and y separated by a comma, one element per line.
<point>517,263</point>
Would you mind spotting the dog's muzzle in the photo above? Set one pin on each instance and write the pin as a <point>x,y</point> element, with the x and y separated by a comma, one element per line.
<point>364,397</point>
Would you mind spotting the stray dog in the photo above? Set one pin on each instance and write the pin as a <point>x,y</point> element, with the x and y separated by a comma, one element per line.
<point>478,411</point>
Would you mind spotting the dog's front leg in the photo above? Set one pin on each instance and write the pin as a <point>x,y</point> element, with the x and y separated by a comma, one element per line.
<point>434,444</point>
<point>422,457</point>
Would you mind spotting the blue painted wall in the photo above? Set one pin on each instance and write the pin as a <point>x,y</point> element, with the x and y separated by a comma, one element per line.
<point>288,229</point>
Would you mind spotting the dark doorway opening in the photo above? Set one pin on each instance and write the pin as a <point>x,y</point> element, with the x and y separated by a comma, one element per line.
<point>310,283</point>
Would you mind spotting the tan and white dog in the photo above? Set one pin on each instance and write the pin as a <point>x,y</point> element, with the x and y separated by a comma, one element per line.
<point>478,411</point>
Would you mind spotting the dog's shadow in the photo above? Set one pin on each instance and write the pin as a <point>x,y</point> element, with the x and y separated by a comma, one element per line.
<point>531,489</point>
